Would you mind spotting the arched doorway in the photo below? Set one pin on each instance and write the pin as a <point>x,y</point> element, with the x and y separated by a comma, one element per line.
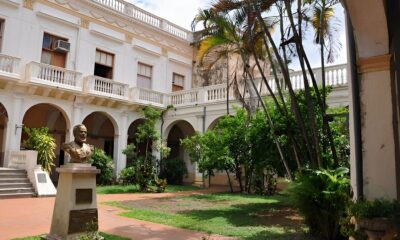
<point>180,130</point>
<point>3,131</point>
<point>214,123</point>
<point>132,139</point>
<point>101,132</point>
<point>52,117</point>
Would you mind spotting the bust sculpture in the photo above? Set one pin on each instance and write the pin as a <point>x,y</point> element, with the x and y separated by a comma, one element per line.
<point>79,150</point>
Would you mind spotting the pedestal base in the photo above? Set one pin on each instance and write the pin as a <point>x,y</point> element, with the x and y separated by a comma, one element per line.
<point>75,209</point>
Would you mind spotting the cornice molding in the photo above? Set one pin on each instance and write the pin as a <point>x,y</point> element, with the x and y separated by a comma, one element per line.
<point>124,24</point>
<point>28,4</point>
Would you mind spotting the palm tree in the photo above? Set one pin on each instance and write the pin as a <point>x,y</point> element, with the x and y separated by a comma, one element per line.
<point>231,30</point>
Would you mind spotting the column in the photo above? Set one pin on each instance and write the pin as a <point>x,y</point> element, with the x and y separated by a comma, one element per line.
<point>14,127</point>
<point>75,119</point>
<point>120,143</point>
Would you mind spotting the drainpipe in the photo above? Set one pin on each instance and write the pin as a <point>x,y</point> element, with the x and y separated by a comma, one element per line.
<point>356,108</point>
<point>204,118</point>
<point>161,132</point>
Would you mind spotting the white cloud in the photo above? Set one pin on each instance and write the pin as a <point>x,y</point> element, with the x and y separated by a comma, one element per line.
<point>180,12</point>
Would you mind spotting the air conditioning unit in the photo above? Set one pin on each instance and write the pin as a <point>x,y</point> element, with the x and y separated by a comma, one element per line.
<point>62,46</point>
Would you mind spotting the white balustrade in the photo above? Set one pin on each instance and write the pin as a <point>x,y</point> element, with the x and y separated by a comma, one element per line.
<point>146,17</point>
<point>336,75</point>
<point>117,5</point>
<point>184,97</point>
<point>263,88</point>
<point>9,65</point>
<point>139,14</point>
<point>175,30</point>
<point>54,76</point>
<point>147,96</point>
<point>106,87</point>
<point>215,93</point>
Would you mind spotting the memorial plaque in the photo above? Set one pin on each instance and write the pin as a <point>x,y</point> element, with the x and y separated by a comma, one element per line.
<point>83,221</point>
<point>83,196</point>
<point>41,178</point>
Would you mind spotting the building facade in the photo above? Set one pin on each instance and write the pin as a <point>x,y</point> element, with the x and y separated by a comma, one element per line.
<point>98,62</point>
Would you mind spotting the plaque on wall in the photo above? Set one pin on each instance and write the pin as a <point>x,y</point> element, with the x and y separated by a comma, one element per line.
<point>84,196</point>
<point>41,178</point>
<point>83,221</point>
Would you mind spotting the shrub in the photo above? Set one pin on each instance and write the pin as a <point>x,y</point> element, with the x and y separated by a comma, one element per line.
<point>321,197</point>
<point>379,208</point>
<point>127,175</point>
<point>39,139</point>
<point>173,170</point>
<point>105,163</point>
<point>161,184</point>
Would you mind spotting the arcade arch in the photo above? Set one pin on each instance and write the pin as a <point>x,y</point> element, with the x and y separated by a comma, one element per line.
<point>180,130</point>
<point>214,122</point>
<point>101,131</point>
<point>55,119</point>
<point>3,132</point>
<point>140,148</point>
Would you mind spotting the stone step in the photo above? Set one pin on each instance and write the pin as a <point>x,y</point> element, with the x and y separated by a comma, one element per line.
<point>17,195</point>
<point>16,190</point>
<point>10,170</point>
<point>14,180</point>
<point>15,185</point>
<point>12,175</point>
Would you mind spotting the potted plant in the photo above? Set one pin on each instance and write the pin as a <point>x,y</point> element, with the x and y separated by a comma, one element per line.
<point>40,140</point>
<point>380,219</point>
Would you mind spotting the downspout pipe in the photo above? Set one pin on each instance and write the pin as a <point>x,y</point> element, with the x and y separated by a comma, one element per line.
<point>204,119</point>
<point>356,109</point>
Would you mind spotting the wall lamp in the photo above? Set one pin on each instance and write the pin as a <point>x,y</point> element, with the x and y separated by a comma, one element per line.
<point>18,126</point>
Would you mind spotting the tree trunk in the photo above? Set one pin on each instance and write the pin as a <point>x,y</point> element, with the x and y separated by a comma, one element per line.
<point>294,103</point>
<point>229,180</point>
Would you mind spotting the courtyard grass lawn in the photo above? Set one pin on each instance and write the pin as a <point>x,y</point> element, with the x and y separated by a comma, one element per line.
<point>247,217</point>
<point>105,235</point>
<point>114,189</point>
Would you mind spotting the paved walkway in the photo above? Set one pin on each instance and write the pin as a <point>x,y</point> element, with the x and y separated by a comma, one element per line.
<point>32,216</point>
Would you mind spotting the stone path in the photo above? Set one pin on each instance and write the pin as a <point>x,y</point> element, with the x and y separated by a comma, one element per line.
<point>32,216</point>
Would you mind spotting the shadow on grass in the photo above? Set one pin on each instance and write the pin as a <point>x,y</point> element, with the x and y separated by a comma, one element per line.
<point>252,214</point>
<point>268,220</point>
<point>286,235</point>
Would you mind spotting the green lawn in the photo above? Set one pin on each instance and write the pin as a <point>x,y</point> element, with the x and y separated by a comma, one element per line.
<point>113,189</point>
<point>245,216</point>
<point>105,235</point>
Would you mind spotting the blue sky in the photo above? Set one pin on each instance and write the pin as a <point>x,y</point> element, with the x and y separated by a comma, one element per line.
<point>182,12</point>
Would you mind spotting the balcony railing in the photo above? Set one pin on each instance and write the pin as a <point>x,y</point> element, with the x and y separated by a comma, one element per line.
<point>9,66</point>
<point>215,93</point>
<point>54,76</point>
<point>38,73</point>
<point>106,87</point>
<point>132,11</point>
<point>184,97</point>
<point>148,96</point>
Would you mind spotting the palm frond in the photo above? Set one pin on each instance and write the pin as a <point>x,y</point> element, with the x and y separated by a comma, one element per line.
<point>208,44</point>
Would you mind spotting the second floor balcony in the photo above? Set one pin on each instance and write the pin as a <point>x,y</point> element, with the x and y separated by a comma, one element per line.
<point>52,76</point>
<point>9,67</point>
<point>106,88</point>
<point>56,78</point>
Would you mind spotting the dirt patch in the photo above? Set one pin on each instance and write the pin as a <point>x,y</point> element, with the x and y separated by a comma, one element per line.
<point>283,217</point>
<point>174,205</point>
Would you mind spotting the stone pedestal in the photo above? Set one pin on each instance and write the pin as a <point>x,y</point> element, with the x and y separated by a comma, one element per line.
<point>75,209</point>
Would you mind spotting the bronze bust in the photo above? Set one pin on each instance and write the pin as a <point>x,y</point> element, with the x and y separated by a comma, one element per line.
<point>79,150</point>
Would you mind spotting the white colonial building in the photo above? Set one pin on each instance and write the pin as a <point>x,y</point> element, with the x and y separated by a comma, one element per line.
<point>98,62</point>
